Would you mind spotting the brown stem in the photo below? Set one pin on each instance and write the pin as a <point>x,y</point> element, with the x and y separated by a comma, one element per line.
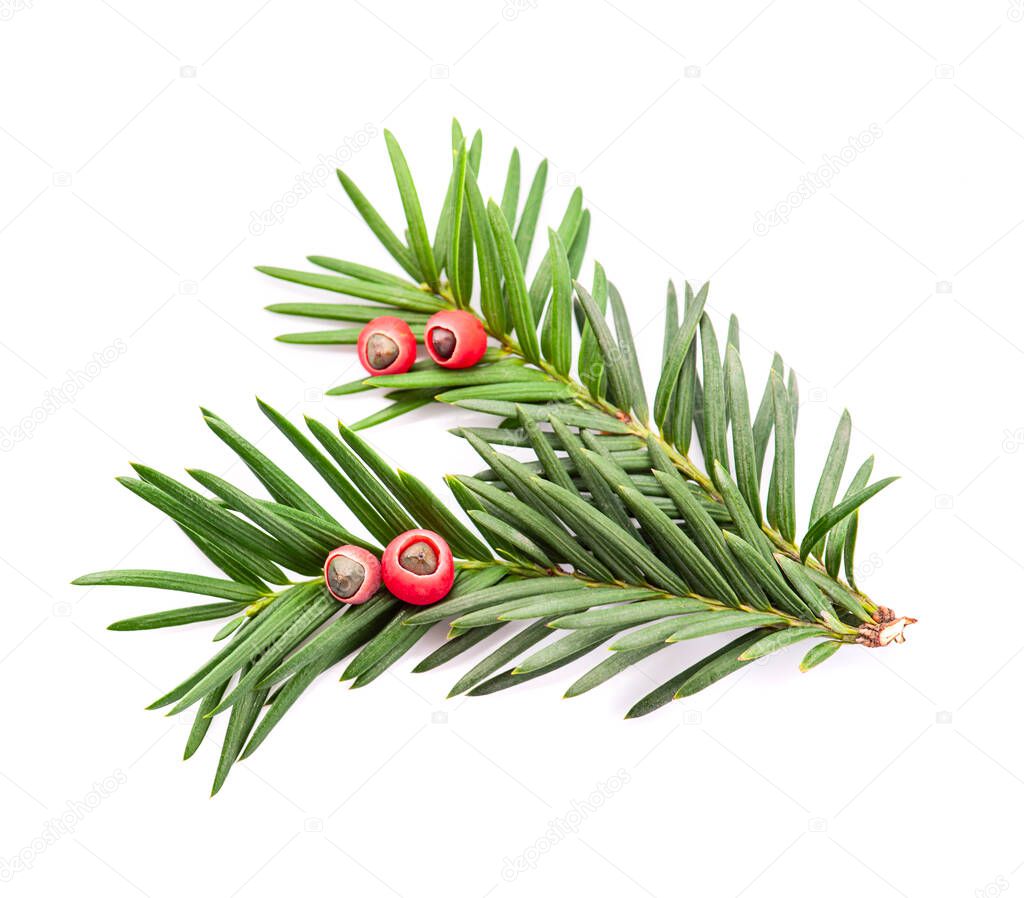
<point>886,629</point>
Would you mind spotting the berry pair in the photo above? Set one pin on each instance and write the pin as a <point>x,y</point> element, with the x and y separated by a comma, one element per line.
<point>454,339</point>
<point>417,567</point>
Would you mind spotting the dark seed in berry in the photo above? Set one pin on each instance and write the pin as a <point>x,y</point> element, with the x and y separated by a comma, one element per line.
<point>419,558</point>
<point>345,576</point>
<point>443,341</point>
<point>381,351</point>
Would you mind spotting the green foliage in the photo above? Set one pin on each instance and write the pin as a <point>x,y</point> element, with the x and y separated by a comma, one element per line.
<point>615,534</point>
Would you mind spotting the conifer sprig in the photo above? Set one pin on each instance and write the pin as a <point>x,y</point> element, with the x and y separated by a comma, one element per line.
<point>628,574</point>
<point>542,324</point>
<point>616,534</point>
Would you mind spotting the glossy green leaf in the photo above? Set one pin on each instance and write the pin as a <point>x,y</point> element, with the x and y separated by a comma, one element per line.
<point>628,615</point>
<point>508,538</point>
<point>531,212</point>
<point>282,487</point>
<point>283,700</point>
<point>677,354</point>
<point>355,625</point>
<point>360,272</point>
<point>230,627</point>
<point>457,645</point>
<point>572,415</point>
<point>557,333</point>
<point>576,509</point>
<point>578,600</point>
<point>553,466</point>
<point>767,575</point>
<point>439,378</point>
<point>177,617</point>
<point>839,595</point>
<point>833,516</point>
<point>457,605</point>
<point>615,366</point>
<point>510,194</point>
<point>455,237</point>
<point>202,510</point>
<point>578,247</point>
<point>403,297</point>
<point>504,654</point>
<point>628,354</point>
<point>513,391</point>
<point>476,148</point>
<point>582,645</point>
<point>590,364</point>
<point>744,457</point>
<point>346,336</point>
<point>644,637</point>
<point>848,547</point>
<point>714,413</point>
<point>831,474</point>
<point>793,392</point>
<point>717,567</point>
<point>740,515</point>
<point>418,239</point>
<point>718,668</point>
<point>610,667</point>
<point>384,522</point>
<point>805,587</point>
<point>819,653</point>
<point>433,514</point>
<point>671,323</point>
<point>334,311</point>
<point>404,639</point>
<point>320,609</point>
<point>540,287</point>
<point>492,302</point>
<point>203,720</point>
<point>779,639</point>
<point>567,647</point>
<point>764,421</point>
<point>193,583</point>
<point>300,545</point>
<point>240,724</point>
<point>693,626</point>
<point>601,492</point>
<point>393,633</point>
<point>399,251</point>
<point>716,665</point>
<point>252,640</point>
<point>782,498</point>
<point>442,233</point>
<point>515,285</point>
<point>837,538</point>
<point>391,411</point>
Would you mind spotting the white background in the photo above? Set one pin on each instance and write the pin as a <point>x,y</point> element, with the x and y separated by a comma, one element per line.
<point>137,142</point>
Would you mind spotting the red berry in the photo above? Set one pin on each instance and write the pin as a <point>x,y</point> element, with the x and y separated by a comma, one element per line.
<point>455,339</point>
<point>418,567</point>
<point>386,346</point>
<point>352,574</point>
